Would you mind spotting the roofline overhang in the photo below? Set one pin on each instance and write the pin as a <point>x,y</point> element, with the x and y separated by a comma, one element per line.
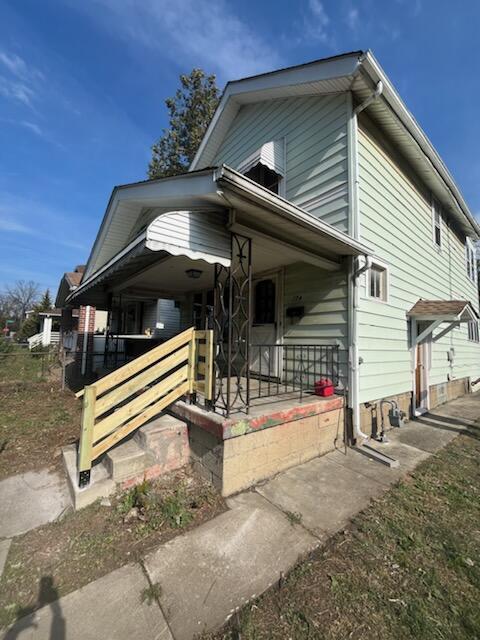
<point>112,203</point>
<point>226,176</point>
<point>350,65</point>
<point>224,179</point>
<point>370,67</point>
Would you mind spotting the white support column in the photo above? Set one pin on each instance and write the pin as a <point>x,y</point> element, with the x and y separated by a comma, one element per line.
<point>47,331</point>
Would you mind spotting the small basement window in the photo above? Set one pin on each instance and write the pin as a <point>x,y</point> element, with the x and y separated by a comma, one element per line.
<point>471,260</point>
<point>264,176</point>
<point>377,282</point>
<point>473,331</point>
<point>437,223</point>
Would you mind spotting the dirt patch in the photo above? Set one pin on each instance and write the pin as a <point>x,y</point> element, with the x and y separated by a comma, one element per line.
<point>408,567</point>
<point>98,539</point>
<point>37,419</point>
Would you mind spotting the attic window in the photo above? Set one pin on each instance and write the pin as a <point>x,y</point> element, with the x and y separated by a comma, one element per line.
<point>437,223</point>
<point>264,176</point>
<point>470,260</point>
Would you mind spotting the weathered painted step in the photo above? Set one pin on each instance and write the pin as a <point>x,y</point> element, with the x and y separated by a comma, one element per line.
<point>163,434</point>
<point>126,460</point>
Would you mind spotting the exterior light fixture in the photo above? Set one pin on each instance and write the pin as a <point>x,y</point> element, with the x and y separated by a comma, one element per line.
<point>194,273</point>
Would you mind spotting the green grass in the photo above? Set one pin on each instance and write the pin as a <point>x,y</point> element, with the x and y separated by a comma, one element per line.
<point>408,567</point>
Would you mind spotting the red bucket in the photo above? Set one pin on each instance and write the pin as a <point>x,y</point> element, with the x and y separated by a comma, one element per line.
<point>324,387</point>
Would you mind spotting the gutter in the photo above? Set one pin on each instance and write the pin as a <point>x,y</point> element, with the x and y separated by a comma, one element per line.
<point>286,209</point>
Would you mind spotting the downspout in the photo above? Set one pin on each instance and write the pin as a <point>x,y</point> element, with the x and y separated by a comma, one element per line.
<point>355,271</point>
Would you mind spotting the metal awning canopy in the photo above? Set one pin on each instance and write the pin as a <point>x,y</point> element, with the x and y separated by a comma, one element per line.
<point>436,313</point>
<point>190,217</point>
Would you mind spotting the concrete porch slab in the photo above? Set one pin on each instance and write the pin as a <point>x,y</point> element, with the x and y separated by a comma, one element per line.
<point>224,563</point>
<point>29,500</point>
<point>422,435</point>
<point>268,413</point>
<point>407,456</point>
<point>109,608</point>
<point>4,549</point>
<point>325,494</point>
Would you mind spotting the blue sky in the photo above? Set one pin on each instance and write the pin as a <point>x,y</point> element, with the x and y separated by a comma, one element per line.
<point>82,86</point>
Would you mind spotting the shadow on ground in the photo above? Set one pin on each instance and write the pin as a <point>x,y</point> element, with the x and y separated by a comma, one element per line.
<point>47,595</point>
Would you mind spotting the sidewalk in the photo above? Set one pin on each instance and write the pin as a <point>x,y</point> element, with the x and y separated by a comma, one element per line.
<point>199,579</point>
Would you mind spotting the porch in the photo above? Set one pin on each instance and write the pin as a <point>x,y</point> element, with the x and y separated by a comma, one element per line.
<point>267,283</point>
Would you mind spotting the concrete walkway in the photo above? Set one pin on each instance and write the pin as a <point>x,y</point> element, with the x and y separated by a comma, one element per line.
<point>203,576</point>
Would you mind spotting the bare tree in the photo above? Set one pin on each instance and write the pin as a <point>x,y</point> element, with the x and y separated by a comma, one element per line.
<point>21,296</point>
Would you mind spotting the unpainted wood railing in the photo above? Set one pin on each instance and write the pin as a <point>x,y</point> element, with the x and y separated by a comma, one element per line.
<point>122,401</point>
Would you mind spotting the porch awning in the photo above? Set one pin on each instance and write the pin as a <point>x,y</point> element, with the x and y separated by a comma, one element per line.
<point>189,217</point>
<point>443,310</point>
<point>434,313</point>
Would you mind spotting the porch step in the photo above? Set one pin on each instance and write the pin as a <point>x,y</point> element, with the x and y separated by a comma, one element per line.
<point>156,448</point>
<point>126,460</point>
<point>166,439</point>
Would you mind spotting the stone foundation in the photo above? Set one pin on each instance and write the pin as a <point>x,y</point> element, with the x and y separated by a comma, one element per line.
<point>234,456</point>
<point>446,391</point>
<point>439,394</point>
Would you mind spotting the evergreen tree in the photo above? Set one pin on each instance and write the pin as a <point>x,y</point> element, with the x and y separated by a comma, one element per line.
<point>191,109</point>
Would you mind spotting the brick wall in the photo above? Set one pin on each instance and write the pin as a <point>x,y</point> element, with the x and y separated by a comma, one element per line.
<point>86,329</point>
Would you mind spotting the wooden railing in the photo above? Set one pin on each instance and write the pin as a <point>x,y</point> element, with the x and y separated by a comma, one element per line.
<point>122,401</point>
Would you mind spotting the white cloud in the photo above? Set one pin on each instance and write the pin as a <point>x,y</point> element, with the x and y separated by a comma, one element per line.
<point>353,19</point>
<point>33,127</point>
<point>22,81</point>
<point>193,32</point>
<point>317,23</point>
<point>16,91</point>
<point>29,217</point>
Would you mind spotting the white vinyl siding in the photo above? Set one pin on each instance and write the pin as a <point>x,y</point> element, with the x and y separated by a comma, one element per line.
<point>396,221</point>
<point>323,295</point>
<point>315,133</point>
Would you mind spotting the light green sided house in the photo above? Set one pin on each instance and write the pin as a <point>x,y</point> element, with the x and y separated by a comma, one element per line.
<point>318,238</point>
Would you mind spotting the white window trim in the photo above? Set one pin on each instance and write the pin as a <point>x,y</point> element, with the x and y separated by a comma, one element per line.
<point>476,335</point>
<point>470,260</point>
<point>376,262</point>
<point>435,205</point>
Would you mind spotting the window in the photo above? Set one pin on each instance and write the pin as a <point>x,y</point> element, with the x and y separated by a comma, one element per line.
<point>264,302</point>
<point>437,223</point>
<point>265,176</point>
<point>471,260</point>
<point>377,282</point>
<point>473,331</point>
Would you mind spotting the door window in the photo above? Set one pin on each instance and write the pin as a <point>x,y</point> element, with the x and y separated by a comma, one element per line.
<point>264,302</point>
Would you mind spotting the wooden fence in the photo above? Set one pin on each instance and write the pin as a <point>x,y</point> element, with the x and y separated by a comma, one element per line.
<point>124,400</point>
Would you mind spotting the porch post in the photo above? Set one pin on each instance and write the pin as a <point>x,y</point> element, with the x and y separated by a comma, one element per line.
<point>232,318</point>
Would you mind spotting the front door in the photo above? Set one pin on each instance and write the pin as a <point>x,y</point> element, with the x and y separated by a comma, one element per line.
<point>422,377</point>
<point>264,352</point>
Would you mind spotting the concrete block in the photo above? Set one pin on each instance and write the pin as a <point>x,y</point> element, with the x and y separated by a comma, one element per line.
<point>126,460</point>
<point>101,485</point>
<point>225,563</point>
<point>166,439</point>
<point>108,608</point>
<point>4,548</point>
<point>31,499</point>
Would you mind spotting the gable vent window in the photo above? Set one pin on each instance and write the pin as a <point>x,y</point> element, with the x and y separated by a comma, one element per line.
<point>473,331</point>
<point>437,224</point>
<point>471,260</point>
<point>264,176</point>
<point>377,285</point>
<point>266,166</point>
